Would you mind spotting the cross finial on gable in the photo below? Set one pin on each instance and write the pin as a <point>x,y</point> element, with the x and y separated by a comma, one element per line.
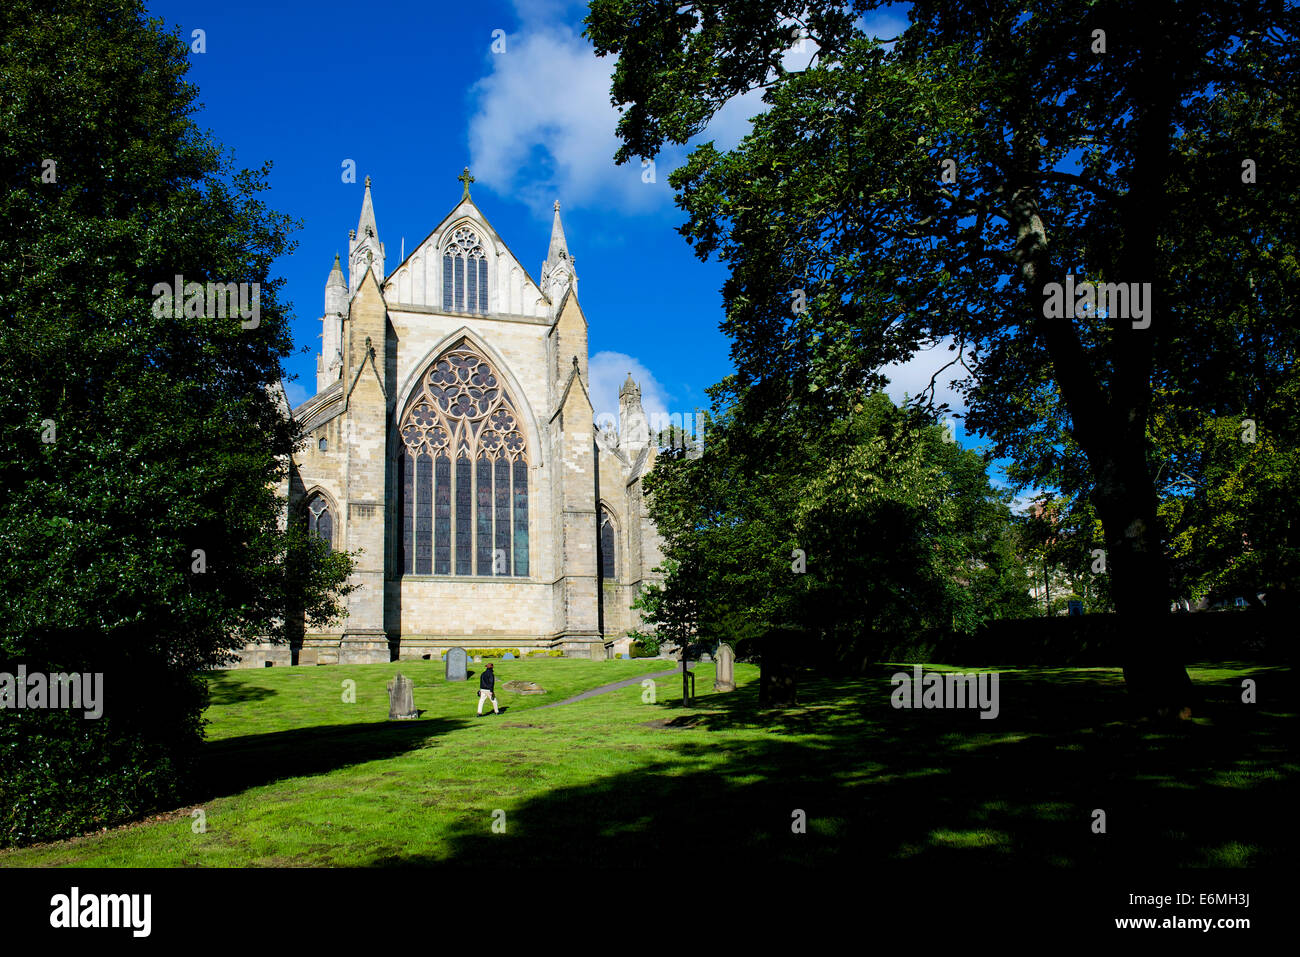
<point>466,179</point>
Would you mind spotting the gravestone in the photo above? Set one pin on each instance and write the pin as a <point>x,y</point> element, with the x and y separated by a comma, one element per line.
<point>725,679</point>
<point>507,657</point>
<point>456,659</point>
<point>626,655</point>
<point>401,699</point>
<point>308,656</point>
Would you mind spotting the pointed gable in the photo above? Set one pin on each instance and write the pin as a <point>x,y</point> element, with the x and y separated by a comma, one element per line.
<point>426,278</point>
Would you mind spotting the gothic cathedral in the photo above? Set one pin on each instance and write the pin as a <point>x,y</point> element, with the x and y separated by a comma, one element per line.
<point>451,444</point>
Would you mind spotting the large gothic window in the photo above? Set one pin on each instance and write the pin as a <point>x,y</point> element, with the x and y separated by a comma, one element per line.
<point>463,471</point>
<point>608,562</point>
<point>320,521</point>
<point>464,274</point>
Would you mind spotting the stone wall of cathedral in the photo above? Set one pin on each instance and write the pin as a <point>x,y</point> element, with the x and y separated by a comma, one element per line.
<point>390,337</point>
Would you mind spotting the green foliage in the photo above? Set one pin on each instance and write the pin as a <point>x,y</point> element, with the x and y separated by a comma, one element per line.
<point>140,530</point>
<point>857,532</point>
<point>939,188</point>
<point>648,642</point>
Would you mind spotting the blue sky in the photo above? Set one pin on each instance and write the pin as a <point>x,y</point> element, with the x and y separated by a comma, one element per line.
<point>413,92</point>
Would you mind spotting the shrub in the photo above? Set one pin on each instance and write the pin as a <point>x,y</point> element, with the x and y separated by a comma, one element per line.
<point>649,642</point>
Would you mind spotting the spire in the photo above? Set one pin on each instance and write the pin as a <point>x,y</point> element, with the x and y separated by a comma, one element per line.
<point>367,220</point>
<point>559,248</point>
<point>365,251</point>
<point>336,274</point>
<point>558,273</point>
<point>628,387</point>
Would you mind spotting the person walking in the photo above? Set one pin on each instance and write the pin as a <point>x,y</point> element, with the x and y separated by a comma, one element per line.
<point>487,690</point>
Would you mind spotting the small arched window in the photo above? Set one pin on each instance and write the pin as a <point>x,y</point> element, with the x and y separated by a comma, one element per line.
<point>464,274</point>
<point>320,520</point>
<point>608,548</point>
<point>324,445</point>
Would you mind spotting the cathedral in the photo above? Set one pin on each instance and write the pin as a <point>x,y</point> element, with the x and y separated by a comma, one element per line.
<point>451,445</point>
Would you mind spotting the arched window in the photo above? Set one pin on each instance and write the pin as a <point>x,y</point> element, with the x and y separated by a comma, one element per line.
<point>463,470</point>
<point>320,521</point>
<point>608,549</point>
<point>464,274</point>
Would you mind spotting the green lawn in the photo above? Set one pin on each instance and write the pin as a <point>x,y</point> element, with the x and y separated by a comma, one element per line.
<point>297,777</point>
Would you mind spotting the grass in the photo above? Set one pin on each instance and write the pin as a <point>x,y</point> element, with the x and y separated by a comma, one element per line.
<point>295,776</point>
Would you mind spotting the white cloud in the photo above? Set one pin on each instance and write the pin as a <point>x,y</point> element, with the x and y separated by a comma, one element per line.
<point>543,126</point>
<point>296,393</point>
<point>912,377</point>
<point>606,372</point>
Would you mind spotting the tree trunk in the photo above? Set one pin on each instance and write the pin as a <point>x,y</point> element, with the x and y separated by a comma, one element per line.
<point>778,668</point>
<point>1154,672</point>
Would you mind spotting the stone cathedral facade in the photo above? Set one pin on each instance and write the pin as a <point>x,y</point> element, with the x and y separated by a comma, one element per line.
<point>451,443</point>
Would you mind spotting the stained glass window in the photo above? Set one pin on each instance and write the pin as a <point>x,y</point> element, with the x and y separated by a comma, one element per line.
<point>455,518</point>
<point>464,523</point>
<point>423,514</point>
<point>464,274</point>
<point>320,521</point>
<point>521,518</point>
<point>442,515</point>
<point>484,514</point>
<point>501,563</point>
<point>608,548</point>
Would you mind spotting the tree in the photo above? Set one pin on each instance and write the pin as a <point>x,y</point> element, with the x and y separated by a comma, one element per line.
<point>842,540</point>
<point>958,186</point>
<point>141,445</point>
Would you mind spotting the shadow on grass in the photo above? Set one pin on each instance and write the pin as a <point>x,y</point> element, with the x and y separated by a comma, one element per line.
<point>880,785</point>
<point>222,690</point>
<point>232,765</point>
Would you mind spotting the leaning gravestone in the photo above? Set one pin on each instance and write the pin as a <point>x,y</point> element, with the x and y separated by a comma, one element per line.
<point>456,659</point>
<point>401,700</point>
<point>725,679</point>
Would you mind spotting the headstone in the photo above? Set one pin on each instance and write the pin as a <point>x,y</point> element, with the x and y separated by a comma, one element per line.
<point>1076,608</point>
<point>401,699</point>
<point>626,655</point>
<point>456,659</point>
<point>507,657</point>
<point>725,679</point>
<point>706,657</point>
<point>308,656</point>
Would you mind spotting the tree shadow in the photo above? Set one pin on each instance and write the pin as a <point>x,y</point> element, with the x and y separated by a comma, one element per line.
<point>222,690</point>
<point>932,787</point>
<point>232,765</point>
